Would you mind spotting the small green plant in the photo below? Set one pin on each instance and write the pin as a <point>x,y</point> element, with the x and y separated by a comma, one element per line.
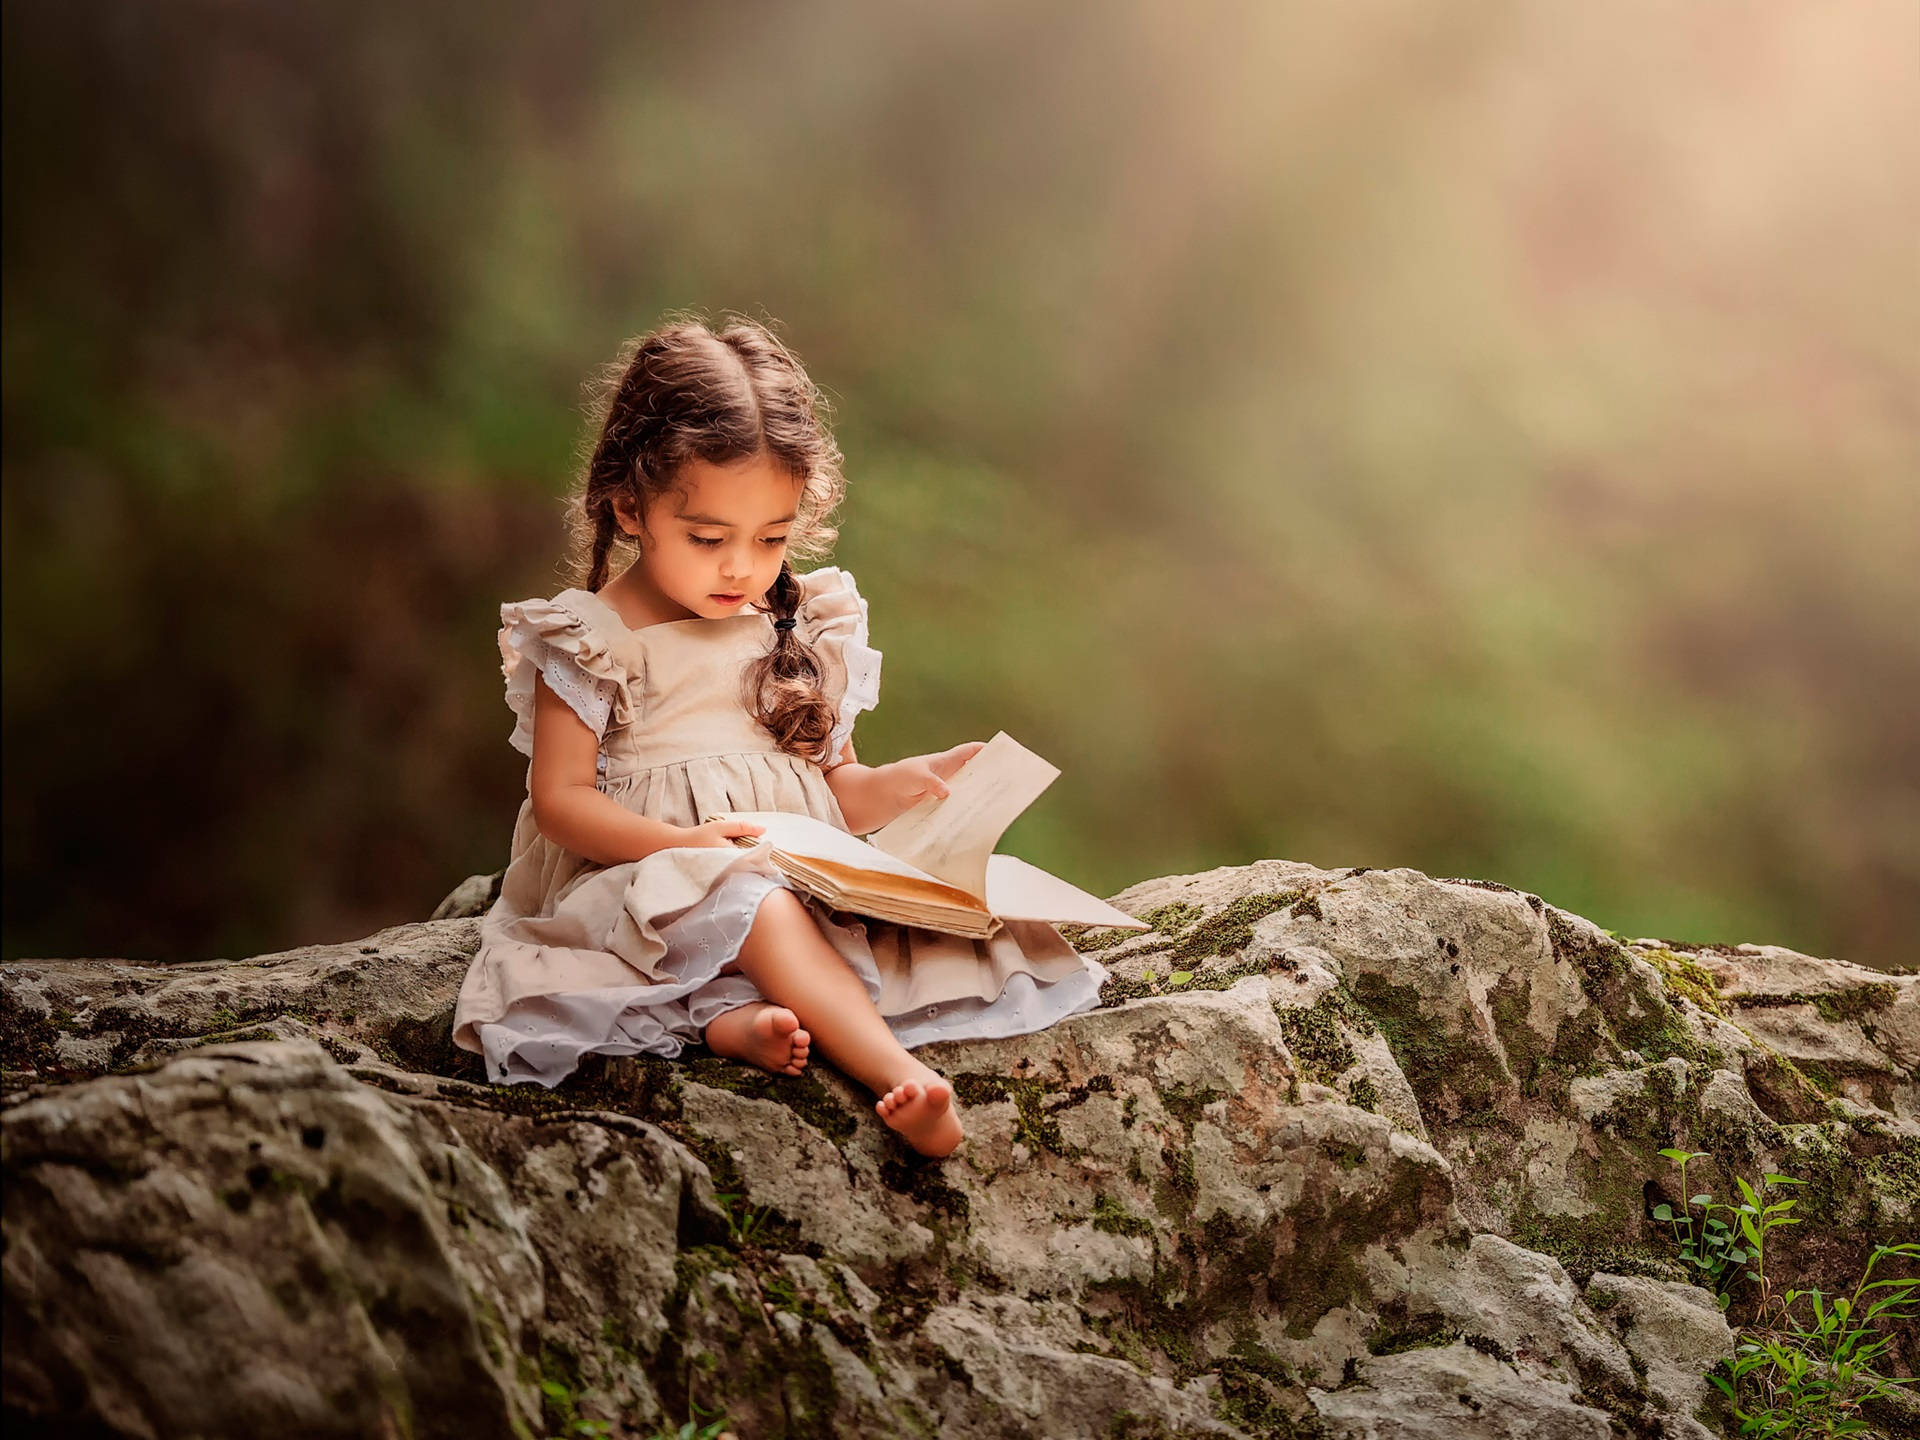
<point>712,1431</point>
<point>561,1402</point>
<point>717,1426</point>
<point>1807,1380</point>
<point>743,1219</point>
<point>1800,1377</point>
<point>1725,1251</point>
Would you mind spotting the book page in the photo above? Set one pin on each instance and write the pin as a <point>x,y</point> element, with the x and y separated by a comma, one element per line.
<point>850,874</point>
<point>950,839</point>
<point>815,839</point>
<point>1019,891</point>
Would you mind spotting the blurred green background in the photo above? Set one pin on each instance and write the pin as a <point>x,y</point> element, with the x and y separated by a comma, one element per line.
<point>1476,438</point>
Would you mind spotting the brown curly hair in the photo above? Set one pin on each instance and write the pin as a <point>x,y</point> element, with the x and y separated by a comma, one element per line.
<point>686,391</point>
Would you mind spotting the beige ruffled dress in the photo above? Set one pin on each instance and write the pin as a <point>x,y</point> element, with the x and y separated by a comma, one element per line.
<point>638,957</point>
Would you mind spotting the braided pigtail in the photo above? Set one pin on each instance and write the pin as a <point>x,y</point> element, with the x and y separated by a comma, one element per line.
<point>600,517</point>
<point>784,688</point>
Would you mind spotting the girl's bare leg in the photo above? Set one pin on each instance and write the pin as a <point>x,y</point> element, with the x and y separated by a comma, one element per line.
<point>760,1034</point>
<point>791,963</point>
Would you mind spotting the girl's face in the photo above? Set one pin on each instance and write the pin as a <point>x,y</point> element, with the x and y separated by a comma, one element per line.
<point>714,543</point>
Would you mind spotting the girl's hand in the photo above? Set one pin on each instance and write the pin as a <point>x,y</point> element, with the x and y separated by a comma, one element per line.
<point>924,777</point>
<point>718,832</point>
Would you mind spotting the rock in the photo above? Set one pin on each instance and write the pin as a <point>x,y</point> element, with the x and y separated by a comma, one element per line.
<point>1851,1030</point>
<point>253,1241</point>
<point>1455,1392</point>
<point>1525,1304</point>
<point>1022,1387</point>
<point>1674,1331</point>
<point>391,994</point>
<point>471,898</point>
<point>1377,1162</point>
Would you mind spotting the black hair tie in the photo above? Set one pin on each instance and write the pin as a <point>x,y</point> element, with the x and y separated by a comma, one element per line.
<point>786,624</point>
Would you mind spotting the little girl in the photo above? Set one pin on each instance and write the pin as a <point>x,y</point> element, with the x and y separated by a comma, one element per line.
<point>707,676</point>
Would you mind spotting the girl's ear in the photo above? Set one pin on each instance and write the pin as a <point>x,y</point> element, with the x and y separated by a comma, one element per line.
<point>626,513</point>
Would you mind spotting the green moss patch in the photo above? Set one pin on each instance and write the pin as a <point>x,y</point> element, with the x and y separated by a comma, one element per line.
<point>26,1038</point>
<point>1260,1394</point>
<point>1895,1177</point>
<point>1421,1333</point>
<point>1834,1006</point>
<point>1784,1093</point>
<point>1686,978</point>
<point>1639,1015</point>
<point>1599,962</point>
<point>1230,928</point>
<point>922,1183</point>
<point>1038,1105</point>
<point>1173,919</point>
<point>1169,920</point>
<point>803,1093</point>
<point>1316,1034</point>
<point>1449,1072</point>
<point>1186,1105</point>
<point>1114,1218</point>
<point>1654,1117</point>
<point>1584,1244</point>
<point>1117,990</point>
<point>1177,1190</point>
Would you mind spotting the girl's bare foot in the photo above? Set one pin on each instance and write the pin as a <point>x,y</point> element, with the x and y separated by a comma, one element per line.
<point>761,1034</point>
<point>922,1111</point>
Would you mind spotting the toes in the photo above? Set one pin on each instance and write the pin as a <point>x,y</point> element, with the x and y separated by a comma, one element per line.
<point>775,1021</point>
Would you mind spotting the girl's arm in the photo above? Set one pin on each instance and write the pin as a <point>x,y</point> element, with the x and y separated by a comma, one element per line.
<point>872,795</point>
<point>572,812</point>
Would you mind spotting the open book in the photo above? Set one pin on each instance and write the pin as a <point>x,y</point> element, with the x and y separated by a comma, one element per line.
<point>934,866</point>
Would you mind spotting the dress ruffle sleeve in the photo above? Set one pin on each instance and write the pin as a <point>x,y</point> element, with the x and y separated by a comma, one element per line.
<point>832,618</point>
<point>548,637</point>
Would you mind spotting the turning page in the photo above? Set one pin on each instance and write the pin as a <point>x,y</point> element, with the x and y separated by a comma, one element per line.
<point>803,835</point>
<point>950,839</point>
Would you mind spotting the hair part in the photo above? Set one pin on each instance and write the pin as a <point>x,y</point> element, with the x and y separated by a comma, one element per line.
<point>685,391</point>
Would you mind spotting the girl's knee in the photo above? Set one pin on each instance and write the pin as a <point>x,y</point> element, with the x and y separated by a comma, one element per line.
<point>780,907</point>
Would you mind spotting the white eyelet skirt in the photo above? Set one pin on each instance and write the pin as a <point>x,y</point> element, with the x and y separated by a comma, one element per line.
<point>542,1038</point>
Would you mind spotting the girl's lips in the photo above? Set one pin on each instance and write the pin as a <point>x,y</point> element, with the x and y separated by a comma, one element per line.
<point>727,599</point>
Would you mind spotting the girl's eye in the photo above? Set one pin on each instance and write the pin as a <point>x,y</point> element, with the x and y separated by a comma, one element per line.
<point>710,541</point>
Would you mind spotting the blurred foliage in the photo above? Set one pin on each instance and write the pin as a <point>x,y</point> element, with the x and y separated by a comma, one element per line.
<point>1481,439</point>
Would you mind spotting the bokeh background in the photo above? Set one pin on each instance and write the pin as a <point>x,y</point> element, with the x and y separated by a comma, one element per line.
<point>1480,438</point>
